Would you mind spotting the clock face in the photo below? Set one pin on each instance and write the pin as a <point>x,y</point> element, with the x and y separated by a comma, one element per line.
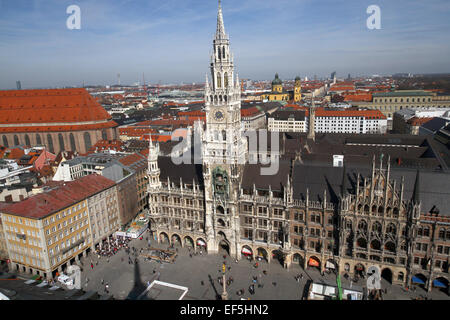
<point>218,115</point>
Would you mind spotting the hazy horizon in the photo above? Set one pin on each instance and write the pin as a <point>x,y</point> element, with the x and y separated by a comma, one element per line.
<point>171,41</point>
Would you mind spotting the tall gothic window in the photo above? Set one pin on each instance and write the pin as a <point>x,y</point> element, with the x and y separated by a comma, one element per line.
<point>87,140</point>
<point>104,135</point>
<point>226,80</point>
<point>16,140</point>
<point>5,142</point>
<point>27,140</point>
<point>72,142</point>
<point>61,142</point>
<point>38,139</point>
<point>220,56</point>
<point>219,80</point>
<point>50,143</point>
<point>223,52</point>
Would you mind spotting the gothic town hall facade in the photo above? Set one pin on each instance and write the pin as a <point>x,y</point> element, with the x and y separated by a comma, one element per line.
<point>309,214</point>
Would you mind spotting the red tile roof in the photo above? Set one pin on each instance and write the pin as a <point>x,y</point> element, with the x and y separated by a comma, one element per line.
<point>63,196</point>
<point>67,106</point>
<point>358,97</point>
<point>135,161</point>
<point>415,121</point>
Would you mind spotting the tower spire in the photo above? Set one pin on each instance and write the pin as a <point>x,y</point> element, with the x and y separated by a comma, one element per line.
<point>220,32</point>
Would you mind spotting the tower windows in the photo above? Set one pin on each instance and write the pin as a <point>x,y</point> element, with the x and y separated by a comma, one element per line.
<point>226,79</point>
<point>219,55</point>
<point>219,80</point>
<point>223,54</point>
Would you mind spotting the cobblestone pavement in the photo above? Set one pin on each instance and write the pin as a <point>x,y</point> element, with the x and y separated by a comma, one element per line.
<point>200,274</point>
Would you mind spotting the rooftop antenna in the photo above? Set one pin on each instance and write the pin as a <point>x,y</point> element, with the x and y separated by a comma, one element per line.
<point>118,79</point>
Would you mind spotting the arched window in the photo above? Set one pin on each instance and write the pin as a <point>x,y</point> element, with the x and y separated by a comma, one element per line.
<point>220,210</point>
<point>390,246</point>
<point>104,135</point>
<point>375,244</point>
<point>50,143</point>
<point>5,141</point>
<point>362,225</point>
<point>376,227</point>
<point>16,140</point>
<point>72,142</point>
<point>220,55</point>
<point>87,141</point>
<point>395,213</point>
<point>391,229</point>
<point>226,79</point>
<point>27,140</point>
<point>223,52</point>
<point>61,142</point>
<point>361,243</point>
<point>38,139</point>
<point>219,80</point>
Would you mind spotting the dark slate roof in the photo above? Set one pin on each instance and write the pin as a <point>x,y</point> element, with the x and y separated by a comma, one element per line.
<point>297,115</point>
<point>435,124</point>
<point>188,172</point>
<point>252,175</point>
<point>434,186</point>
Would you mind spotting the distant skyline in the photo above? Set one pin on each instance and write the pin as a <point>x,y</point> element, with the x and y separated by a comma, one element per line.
<point>171,40</point>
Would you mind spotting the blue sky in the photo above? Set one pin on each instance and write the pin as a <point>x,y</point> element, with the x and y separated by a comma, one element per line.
<point>171,40</point>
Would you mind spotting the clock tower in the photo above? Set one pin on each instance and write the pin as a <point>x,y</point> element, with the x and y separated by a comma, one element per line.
<point>224,149</point>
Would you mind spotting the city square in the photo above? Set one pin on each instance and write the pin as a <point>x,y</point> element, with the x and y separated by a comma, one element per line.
<point>129,281</point>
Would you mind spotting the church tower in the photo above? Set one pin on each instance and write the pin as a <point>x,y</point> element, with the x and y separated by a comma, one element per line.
<point>224,149</point>
<point>297,89</point>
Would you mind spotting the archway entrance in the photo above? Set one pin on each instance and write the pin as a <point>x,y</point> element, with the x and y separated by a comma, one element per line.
<point>188,242</point>
<point>298,260</point>
<point>202,244</point>
<point>330,266</point>
<point>176,240</point>
<point>224,247</point>
<point>314,263</point>
<point>442,284</point>
<point>386,274</point>
<point>420,280</point>
<point>163,237</point>
<point>360,270</point>
<point>261,254</point>
<point>247,252</point>
<point>279,256</point>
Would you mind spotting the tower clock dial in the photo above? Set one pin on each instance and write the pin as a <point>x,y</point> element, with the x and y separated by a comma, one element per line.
<point>218,115</point>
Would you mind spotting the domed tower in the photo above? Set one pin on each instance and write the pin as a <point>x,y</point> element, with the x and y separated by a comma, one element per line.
<point>277,84</point>
<point>297,89</point>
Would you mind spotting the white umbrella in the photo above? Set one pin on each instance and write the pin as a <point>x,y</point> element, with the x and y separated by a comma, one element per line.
<point>246,251</point>
<point>201,243</point>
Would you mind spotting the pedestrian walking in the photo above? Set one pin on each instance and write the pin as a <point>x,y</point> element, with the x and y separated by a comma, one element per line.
<point>92,266</point>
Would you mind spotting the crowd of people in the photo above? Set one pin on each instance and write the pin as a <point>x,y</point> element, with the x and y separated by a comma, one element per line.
<point>111,246</point>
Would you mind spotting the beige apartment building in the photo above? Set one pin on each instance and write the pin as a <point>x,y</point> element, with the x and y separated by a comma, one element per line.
<point>51,230</point>
<point>390,102</point>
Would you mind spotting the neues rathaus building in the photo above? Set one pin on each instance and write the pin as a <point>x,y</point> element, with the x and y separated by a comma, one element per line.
<point>385,205</point>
